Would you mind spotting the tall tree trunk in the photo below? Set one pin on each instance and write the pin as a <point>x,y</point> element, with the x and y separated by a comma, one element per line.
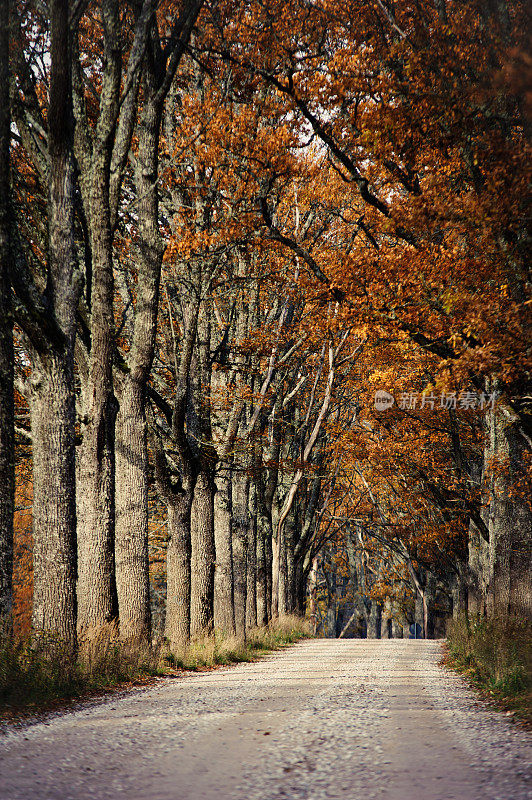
<point>479,568</point>
<point>96,588</point>
<point>178,559</point>
<point>95,466</point>
<point>7,443</point>
<point>283,603</point>
<point>374,621</point>
<point>313,591</point>
<point>263,535</point>
<point>240,534</point>
<point>102,152</point>
<point>178,497</point>
<point>251,568</point>
<point>290,539</point>
<point>54,512</point>
<point>275,576</point>
<point>131,539</point>
<point>268,547</point>
<point>460,591</point>
<point>203,546</point>
<point>224,612</point>
<point>203,556</point>
<point>52,394</point>
<point>510,521</point>
<point>300,589</point>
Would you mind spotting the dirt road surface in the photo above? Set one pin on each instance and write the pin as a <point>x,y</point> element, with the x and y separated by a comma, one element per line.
<point>325,719</point>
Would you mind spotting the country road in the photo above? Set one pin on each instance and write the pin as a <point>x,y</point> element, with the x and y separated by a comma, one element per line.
<point>354,719</point>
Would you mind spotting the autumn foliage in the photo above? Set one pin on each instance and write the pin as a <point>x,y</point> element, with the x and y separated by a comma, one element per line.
<point>277,211</point>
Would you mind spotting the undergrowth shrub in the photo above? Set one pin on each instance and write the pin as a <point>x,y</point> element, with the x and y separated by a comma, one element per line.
<point>211,651</point>
<point>37,670</point>
<point>496,653</point>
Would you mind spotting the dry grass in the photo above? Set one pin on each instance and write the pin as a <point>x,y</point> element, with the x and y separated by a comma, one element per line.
<point>213,651</point>
<point>495,654</point>
<point>40,671</point>
<point>37,671</point>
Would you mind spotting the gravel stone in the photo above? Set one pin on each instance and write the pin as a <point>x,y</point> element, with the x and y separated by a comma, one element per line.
<point>354,719</point>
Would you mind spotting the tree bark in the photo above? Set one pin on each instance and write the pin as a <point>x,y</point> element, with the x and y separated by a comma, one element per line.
<point>240,544</point>
<point>52,391</point>
<point>95,461</point>
<point>251,567</point>
<point>203,557</point>
<point>313,591</point>
<point>131,538</point>
<point>374,621</point>
<point>510,522</point>
<point>275,576</point>
<point>203,546</point>
<point>96,587</point>
<point>282,601</point>
<point>178,559</point>
<point>7,436</point>
<point>224,613</point>
<point>131,541</point>
<point>54,514</point>
<point>291,563</point>
<point>263,528</point>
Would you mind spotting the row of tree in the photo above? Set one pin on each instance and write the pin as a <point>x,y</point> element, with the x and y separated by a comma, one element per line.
<point>223,227</point>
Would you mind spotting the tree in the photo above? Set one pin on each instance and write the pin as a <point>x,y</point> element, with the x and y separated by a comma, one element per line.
<point>103,140</point>
<point>48,318</point>
<point>7,467</point>
<point>132,455</point>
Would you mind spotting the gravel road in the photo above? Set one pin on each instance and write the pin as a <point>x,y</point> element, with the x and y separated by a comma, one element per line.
<point>325,719</point>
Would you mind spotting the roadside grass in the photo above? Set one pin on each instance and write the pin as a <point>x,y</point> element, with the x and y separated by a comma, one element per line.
<point>41,673</point>
<point>495,655</point>
<point>38,671</point>
<point>214,651</point>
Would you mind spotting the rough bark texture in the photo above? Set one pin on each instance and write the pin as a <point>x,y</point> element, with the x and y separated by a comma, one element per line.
<point>313,588</point>
<point>203,557</point>
<point>500,570</point>
<point>240,544</point>
<point>374,621</point>
<point>459,594</point>
<point>131,540</point>
<point>269,568</point>
<point>263,529</point>
<point>52,397</point>
<point>274,603</point>
<point>510,524</point>
<point>300,589</point>
<point>96,589</point>
<point>95,460</point>
<point>131,537</point>
<point>203,547</point>
<point>177,624</point>
<point>283,604</point>
<point>291,564</point>
<point>224,615</point>
<point>54,512</point>
<point>7,472</point>
<point>178,494</point>
<point>251,567</point>
<point>478,562</point>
